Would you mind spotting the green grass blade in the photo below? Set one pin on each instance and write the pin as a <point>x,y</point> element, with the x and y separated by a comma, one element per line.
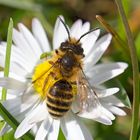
<point>13,122</point>
<point>8,54</point>
<point>135,68</point>
<point>3,112</point>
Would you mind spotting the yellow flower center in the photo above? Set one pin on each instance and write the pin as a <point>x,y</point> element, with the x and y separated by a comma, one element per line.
<point>42,78</point>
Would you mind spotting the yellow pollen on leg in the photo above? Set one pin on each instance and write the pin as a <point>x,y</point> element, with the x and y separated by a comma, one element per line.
<point>42,79</point>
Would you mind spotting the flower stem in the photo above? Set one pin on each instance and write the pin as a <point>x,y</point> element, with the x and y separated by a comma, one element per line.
<point>135,111</point>
<point>8,54</point>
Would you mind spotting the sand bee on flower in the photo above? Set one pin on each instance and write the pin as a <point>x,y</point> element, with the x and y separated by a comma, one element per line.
<point>61,77</point>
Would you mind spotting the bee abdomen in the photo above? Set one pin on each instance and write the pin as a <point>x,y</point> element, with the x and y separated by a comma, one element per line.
<point>59,98</point>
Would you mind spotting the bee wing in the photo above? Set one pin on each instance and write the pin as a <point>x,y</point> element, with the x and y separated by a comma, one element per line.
<point>86,96</point>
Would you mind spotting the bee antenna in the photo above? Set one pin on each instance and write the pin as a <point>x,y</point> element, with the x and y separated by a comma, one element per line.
<point>86,34</point>
<point>65,27</point>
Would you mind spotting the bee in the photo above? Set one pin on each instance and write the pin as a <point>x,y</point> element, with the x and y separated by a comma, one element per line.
<point>64,77</point>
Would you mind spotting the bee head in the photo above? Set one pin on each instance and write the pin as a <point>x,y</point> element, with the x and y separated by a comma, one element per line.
<point>73,47</point>
<point>72,44</point>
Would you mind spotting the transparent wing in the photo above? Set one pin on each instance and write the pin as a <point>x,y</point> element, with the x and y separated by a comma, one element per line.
<point>86,96</point>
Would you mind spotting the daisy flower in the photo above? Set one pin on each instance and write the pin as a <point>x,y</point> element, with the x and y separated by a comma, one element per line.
<point>28,106</point>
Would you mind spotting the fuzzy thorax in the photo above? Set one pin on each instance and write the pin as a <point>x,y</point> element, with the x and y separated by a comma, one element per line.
<point>44,78</point>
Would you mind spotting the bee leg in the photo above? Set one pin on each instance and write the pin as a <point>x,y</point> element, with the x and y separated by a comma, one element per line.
<point>51,62</point>
<point>46,80</point>
<point>57,52</point>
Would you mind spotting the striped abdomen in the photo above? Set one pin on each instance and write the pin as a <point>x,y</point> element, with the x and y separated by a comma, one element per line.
<point>59,99</point>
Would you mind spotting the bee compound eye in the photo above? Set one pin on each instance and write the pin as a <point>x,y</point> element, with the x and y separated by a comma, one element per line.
<point>80,50</point>
<point>63,46</point>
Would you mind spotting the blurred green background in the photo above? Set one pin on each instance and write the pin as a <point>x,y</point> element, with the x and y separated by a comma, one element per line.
<point>48,10</point>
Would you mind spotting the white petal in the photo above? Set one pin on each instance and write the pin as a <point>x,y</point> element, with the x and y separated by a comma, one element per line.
<point>16,50</point>
<point>16,56</point>
<point>85,28</point>
<point>18,105</point>
<point>88,44</point>
<point>99,48</point>
<point>12,103</point>
<point>42,115</point>
<point>112,100</point>
<point>33,117</point>
<point>21,116</point>
<point>115,110</point>
<point>44,129</point>
<point>86,132</point>
<point>101,68</point>
<point>10,96</point>
<point>36,127</point>
<point>11,83</point>
<point>40,35</point>
<point>96,112</point>
<point>14,67</point>
<point>60,33</point>
<point>31,40</point>
<point>101,93</point>
<point>5,129</point>
<point>73,128</point>
<point>18,69</point>
<point>13,93</point>
<point>107,113</point>
<point>103,77</point>
<point>103,120</point>
<point>23,46</point>
<point>14,76</point>
<point>54,130</point>
<point>76,29</point>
